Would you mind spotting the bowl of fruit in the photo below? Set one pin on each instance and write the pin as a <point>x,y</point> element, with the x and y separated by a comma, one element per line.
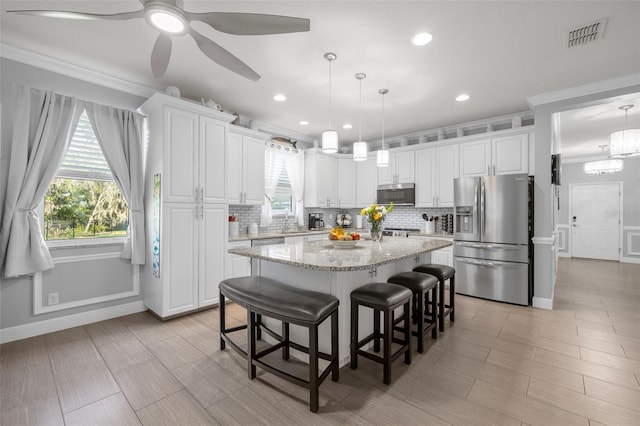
<point>341,239</point>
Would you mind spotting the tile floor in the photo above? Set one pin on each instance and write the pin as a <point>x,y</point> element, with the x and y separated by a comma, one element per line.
<point>498,364</point>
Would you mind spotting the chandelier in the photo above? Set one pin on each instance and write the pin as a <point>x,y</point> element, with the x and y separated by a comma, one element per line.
<point>626,142</point>
<point>600,167</point>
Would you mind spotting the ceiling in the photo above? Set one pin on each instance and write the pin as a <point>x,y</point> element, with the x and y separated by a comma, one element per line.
<point>499,53</point>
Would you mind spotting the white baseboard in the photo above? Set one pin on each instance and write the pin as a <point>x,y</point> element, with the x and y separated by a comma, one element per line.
<point>630,260</point>
<point>560,254</point>
<point>542,303</point>
<point>56,324</point>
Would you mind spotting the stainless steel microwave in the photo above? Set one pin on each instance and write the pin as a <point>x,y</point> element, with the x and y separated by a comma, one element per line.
<point>400,194</point>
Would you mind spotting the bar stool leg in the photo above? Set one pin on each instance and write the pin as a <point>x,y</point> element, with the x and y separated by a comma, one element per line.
<point>376,330</point>
<point>452,295</point>
<point>441,305</point>
<point>433,302</point>
<point>420,315</point>
<point>314,397</point>
<point>251,350</point>
<point>386,340</point>
<point>335,372</point>
<point>354,335</point>
<point>223,344</point>
<point>285,339</point>
<point>407,331</point>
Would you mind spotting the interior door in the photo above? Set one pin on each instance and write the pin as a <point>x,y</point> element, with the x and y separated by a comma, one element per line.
<point>595,221</point>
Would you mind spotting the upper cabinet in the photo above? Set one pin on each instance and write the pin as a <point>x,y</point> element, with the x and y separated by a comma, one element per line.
<point>347,182</point>
<point>320,179</point>
<point>498,156</point>
<point>436,168</point>
<point>245,166</point>
<point>366,181</point>
<point>400,170</point>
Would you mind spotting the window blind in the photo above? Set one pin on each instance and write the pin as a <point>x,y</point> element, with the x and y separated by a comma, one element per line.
<point>84,159</point>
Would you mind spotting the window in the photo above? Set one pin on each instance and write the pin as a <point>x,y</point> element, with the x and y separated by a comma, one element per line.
<point>83,200</point>
<point>282,200</point>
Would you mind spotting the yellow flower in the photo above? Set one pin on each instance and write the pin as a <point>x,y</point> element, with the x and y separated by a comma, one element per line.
<point>377,216</point>
<point>363,211</point>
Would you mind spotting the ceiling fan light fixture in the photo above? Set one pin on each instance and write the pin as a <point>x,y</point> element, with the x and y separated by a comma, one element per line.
<point>166,18</point>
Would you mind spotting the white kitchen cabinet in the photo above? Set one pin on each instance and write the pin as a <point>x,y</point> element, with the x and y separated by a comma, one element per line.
<point>346,183</point>
<point>187,219</point>
<point>320,179</point>
<point>497,156</point>
<point>245,166</point>
<point>193,164</point>
<point>237,266</point>
<point>400,169</point>
<point>366,181</point>
<point>436,168</point>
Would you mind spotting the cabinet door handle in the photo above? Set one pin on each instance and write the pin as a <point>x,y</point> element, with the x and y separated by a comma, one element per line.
<point>488,170</point>
<point>494,169</point>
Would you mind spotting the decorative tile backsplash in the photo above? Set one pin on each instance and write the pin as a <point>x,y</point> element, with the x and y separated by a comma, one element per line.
<point>401,217</point>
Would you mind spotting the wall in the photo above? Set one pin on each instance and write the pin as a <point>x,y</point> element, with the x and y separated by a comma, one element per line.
<point>545,106</point>
<point>630,177</point>
<point>16,295</point>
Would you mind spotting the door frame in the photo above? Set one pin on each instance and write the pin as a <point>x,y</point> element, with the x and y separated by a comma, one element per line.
<point>620,204</point>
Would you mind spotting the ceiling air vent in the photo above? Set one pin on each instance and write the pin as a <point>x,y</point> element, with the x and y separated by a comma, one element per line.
<point>586,33</point>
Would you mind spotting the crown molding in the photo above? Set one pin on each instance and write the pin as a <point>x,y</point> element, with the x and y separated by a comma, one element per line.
<point>74,71</point>
<point>585,90</point>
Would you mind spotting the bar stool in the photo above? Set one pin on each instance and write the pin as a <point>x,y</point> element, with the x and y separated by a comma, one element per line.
<point>385,298</point>
<point>424,289</point>
<point>442,273</point>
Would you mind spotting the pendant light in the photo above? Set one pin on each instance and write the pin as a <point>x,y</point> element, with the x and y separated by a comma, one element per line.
<point>360,147</point>
<point>600,167</point>
<point>330,137</point>
<point>382,158</point>
<point>624,143</point>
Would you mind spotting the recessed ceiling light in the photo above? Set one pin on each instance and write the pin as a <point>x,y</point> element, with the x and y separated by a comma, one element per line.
<point>463,97</point>
<point>347,126</point>
<point>421,39</point>
<point>304,123</point>
<point>280,97</point>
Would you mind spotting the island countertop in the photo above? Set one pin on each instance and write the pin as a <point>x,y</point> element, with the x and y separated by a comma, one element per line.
<point>322,256</point>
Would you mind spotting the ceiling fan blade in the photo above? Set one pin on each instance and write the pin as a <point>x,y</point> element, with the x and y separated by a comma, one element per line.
<point>160,55</point>
<point>223,57</point>
<point>81,15</point>
<point>251,23</point>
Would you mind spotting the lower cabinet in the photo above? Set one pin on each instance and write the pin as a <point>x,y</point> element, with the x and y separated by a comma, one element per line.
<point>444,256</point>
<point>237,266</point>
<point>191,245</point>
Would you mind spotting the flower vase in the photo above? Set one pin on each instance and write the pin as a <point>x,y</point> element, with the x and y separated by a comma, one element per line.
<point>376,231</point>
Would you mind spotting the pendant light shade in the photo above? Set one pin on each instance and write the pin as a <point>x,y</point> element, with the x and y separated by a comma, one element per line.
<point>624,143</point>
<point>382,158</point>
<point>330,137</point>
<point>360,148</point>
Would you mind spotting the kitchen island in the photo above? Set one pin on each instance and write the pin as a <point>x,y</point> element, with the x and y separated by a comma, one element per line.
<point>319,266</point>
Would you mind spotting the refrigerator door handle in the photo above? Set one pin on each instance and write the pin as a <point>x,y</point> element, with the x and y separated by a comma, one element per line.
<point>495,264</point>
<point>482,210</point>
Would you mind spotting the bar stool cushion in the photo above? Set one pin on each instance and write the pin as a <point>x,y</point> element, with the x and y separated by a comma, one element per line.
<point>278,298</point>
<point>414,281</point>
<point>442,272</point>
<point>381,294</point>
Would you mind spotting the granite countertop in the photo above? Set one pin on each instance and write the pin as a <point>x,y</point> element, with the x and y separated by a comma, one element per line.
<point>321,255</point>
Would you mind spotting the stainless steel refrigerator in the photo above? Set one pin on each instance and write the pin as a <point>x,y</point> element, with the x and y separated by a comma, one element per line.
<point>493,227</point>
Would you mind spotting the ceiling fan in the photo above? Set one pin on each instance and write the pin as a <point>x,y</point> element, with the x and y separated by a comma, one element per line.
<point>170,19</point>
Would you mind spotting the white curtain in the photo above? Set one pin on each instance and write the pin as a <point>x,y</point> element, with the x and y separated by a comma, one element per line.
<point>294,164</point>
<point>119,133</point>
<point>272,174</point>
<point>43,126</point>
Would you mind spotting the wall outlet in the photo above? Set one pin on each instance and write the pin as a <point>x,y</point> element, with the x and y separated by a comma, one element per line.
<point>53,299</point>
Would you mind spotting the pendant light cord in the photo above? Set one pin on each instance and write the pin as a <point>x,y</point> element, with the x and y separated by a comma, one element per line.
<point>383,120</point>
<point>330,123</point>
<point>360,125</point>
